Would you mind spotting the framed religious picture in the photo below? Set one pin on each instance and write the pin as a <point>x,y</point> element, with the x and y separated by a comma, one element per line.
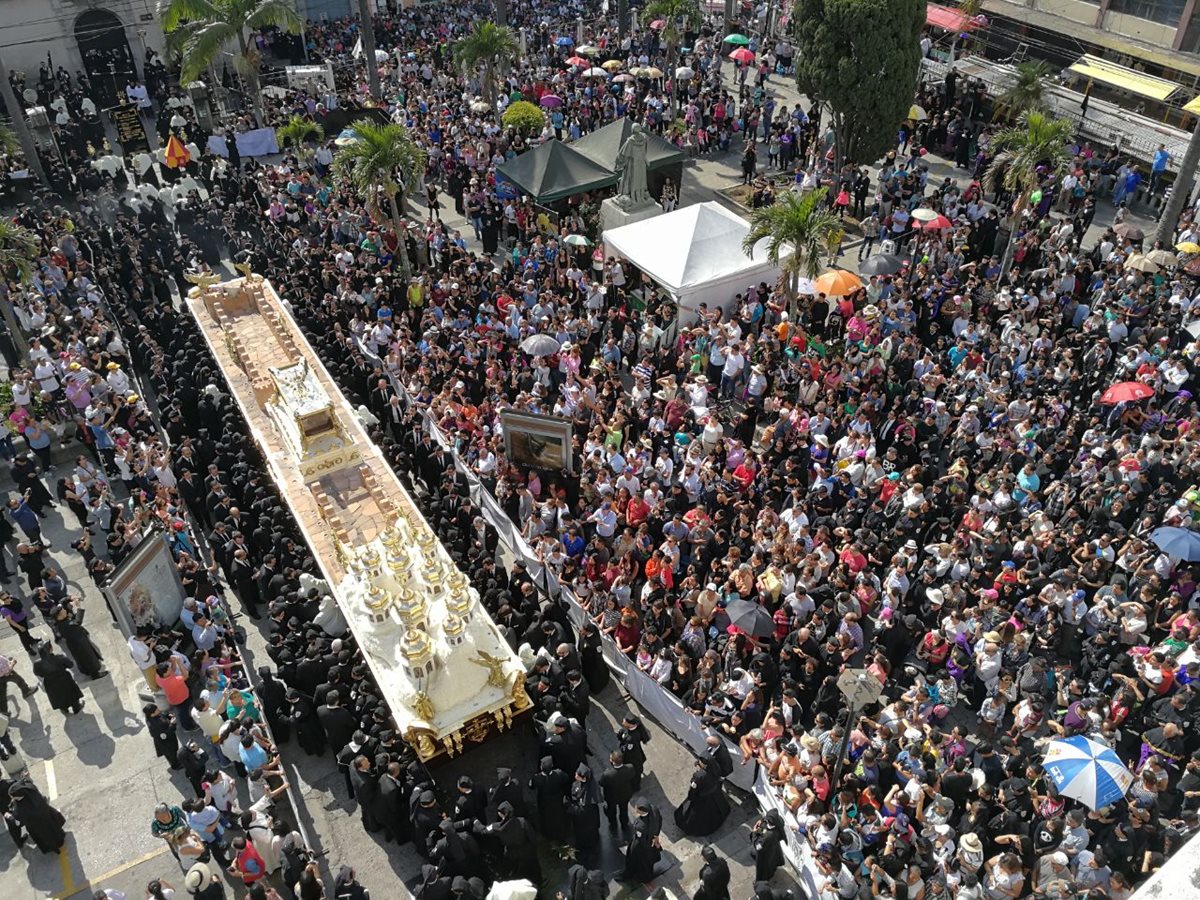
<point>539,442</point>
<point>145,589</point>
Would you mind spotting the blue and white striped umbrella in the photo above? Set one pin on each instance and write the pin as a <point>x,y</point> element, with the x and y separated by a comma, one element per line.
<point>1086,771</point>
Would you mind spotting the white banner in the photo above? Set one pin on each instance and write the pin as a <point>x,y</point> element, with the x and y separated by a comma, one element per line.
<point>259,142</point>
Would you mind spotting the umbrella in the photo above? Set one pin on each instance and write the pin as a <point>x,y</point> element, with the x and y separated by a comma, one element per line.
<point>564,41</point>
<point>639,71</point>
<point>612,65</point>
<point>382,56</point>
<point>576,240</point>
<point>1087,771</point>
<point>550,101</point>
<point>540,345</point>
<point>837,283</point>
<point>750,618</point>
<point>924,214</point>
<point>480,106</point>
<point>595,72</point>
<point>1188,247</point>
<point>1129,232</point>
<point>917,113</point>
<point>740,39</point>
<point>577,61</point>
<point>1162,258</point>
<point>587,50</point>
<point>683,73</point>
<point>624,77</point>
<point>742,55</point>
<point>1141,263</point>
<point>936,223</point>
<point>1125,391</point>
<point>653,72</point>
<point>346,137</point>
<point>881,264</point>
<point>1180,543</point>
<point>658,23</point>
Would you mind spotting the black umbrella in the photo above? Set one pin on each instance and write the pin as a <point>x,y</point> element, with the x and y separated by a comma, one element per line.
<point>750,618</point>
<point>881,264</point>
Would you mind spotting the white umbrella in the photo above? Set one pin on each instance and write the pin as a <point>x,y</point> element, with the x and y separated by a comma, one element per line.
<point>685,73</point>
<point>624,77</point>
<point>480,106</point>
<point>540,345</point>
<point>587,50</point>
<point>595,72</point>
<point>924,214</point>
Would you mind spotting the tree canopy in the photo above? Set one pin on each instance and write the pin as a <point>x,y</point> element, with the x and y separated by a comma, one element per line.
<point>862,58</point>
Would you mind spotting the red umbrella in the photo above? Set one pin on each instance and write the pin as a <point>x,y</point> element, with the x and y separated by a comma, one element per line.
<point>935,224</point>
<point>1124,391</point>
<point>577,61</point>
<point>742,55</point>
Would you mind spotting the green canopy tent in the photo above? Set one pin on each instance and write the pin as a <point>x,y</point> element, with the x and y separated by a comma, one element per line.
<point>663,159</point>
<point>554,170</point>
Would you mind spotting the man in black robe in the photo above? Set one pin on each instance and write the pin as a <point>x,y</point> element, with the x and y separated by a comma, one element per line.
<point>43,823</point>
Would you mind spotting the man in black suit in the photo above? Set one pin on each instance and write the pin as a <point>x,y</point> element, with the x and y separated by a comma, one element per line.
<point>619,784</point>
<point>338,722</point>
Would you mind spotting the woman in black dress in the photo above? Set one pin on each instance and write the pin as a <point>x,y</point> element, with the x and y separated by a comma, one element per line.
<point>68,625</point>
<point>767,847</point>
<point>644,850</point>
<point>583,808</point>
<point>42,822</point>
<point>54,670</point>
<point>706,805</point>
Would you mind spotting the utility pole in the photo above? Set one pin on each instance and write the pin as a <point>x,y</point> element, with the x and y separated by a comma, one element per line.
<point>367,28</point>
<point>16,109</point>
<point>1181,190</point>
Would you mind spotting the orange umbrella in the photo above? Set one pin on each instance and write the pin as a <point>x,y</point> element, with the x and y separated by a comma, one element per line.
<point>175,155</point>
<point>837,283</point>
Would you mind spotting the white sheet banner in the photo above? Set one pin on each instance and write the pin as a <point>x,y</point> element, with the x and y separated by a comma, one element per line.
<point>259,142</point>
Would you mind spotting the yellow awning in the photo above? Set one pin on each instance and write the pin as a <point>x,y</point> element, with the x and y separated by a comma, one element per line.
<point>1126,79</point>
<point>1193,107</point>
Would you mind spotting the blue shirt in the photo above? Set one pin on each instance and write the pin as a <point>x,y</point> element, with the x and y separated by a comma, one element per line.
<point>1161,157</point>
<point>253,757</point>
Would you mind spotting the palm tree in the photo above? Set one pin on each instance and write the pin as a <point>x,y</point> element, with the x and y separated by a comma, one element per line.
<point>1032,151</point>
<point>488,45</point>
<point>198,30</point>
<point>367,31</point>
<point>382,160</point>
<point>679,15</point>
<point>19,249</point>
<point>1028,92</point>
<point>798,223</point>
<point>299,132</point>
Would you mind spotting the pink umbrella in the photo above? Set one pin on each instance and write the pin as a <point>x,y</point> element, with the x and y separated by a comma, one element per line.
<point>577,61</point>
<point>742,55</point>
<point>657,24</point>
<point>551,101</point>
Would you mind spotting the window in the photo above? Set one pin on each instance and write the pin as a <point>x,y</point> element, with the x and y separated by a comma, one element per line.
<point>1165,12</point>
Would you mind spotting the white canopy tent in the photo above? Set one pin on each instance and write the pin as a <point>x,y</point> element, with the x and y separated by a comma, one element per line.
<point>695,254</point>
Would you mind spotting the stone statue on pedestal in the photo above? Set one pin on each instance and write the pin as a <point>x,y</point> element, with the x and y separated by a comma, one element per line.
<point>632,192</point>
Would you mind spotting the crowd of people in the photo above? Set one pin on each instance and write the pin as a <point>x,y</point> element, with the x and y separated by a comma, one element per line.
<point>918,479</point>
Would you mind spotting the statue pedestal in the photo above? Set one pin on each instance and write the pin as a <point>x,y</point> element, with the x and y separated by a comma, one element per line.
<point>613,216</point>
